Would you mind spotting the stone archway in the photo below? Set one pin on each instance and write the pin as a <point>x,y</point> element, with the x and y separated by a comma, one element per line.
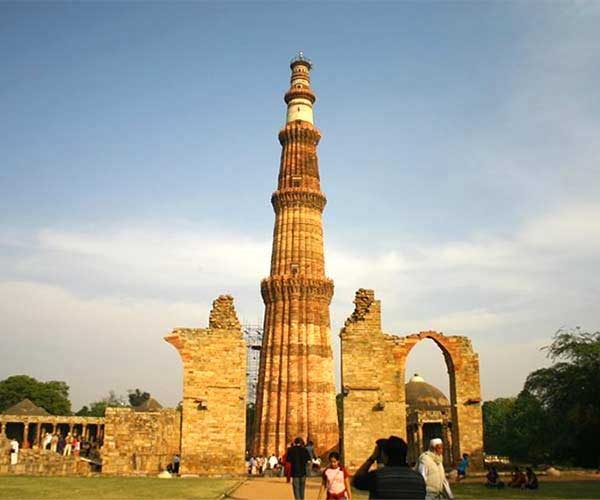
<point>373,374</point>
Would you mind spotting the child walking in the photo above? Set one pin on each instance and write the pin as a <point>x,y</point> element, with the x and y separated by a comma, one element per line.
<point>335,482</point>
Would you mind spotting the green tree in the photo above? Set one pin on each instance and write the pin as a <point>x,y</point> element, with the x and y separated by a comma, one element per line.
<point>526,430</point>
<point>53,396</point>
<point>84,411</point>
<point>569,392</point>
<point>496,418</point>
<point>137,397</point>
<point>98,408</point>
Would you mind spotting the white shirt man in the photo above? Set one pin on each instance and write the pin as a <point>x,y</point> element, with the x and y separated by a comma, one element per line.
<point>46,441</point>
<point>273,462</point>
<point>431,467</point>
<point>14,452</point>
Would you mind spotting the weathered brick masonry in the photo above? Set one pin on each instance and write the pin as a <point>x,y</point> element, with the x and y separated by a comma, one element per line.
<point>296,391</point>
<point>38,462</point>
<point>139,442</point>
<point>373,375</point>
<point>214,393</point>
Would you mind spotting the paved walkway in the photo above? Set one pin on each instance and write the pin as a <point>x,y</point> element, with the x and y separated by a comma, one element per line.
<point>273,488</point>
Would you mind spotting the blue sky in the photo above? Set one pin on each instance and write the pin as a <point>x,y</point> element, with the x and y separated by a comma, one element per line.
<point>139,150</point>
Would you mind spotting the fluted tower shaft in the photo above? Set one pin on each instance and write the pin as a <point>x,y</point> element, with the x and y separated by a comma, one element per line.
<point>296,391</point>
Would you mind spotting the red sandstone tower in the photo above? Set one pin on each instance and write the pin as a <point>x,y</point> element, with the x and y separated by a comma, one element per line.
<point>296,392</point>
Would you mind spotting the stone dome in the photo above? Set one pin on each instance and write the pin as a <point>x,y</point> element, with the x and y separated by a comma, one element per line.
<point>423,396</point>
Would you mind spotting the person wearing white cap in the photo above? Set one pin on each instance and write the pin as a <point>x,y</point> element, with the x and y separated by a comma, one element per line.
<point>431,467</point>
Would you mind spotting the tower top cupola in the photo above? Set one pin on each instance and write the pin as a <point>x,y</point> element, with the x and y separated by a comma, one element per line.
<point>301,59</point>
<point>300,97</point>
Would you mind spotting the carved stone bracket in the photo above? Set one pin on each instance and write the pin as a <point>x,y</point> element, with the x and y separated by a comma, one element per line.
<point>300,93</point>
<point>297,198</point>
<point>299,132</point>
<point>277,288</point>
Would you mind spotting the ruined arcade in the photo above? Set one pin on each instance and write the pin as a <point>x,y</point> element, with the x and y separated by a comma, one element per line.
<point>373,385</point>
<point>296,393</point>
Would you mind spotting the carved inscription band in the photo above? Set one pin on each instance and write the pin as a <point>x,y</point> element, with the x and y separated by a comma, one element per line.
<point>277,288</point>
<point>289,198</point>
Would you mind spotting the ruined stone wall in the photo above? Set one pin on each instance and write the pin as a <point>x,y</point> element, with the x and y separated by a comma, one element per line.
<point>139,442</point>
<point>372,382</point>
<point>373,378</point>
<point>214,393</point>
<point>37,462</point>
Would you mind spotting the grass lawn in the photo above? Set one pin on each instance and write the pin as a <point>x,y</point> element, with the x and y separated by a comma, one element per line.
<point>26,487</point>
<point>126,488</point>
<point>550,489</point>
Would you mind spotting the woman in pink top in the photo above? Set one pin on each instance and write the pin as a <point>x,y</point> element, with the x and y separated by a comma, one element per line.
<point>335,480</point>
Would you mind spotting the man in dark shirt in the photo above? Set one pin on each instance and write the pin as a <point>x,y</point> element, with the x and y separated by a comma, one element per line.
<point>297,456</point>
<point>395,479</point>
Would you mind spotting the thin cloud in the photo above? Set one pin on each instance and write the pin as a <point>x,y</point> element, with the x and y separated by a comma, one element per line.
<point>485,287</point>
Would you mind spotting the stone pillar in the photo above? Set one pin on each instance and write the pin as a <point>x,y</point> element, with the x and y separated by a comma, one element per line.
<point>467,420</point>
<point>447,444</point>
<point>84,431</point>
<point>26,434</point>
<point>421,446</point>
<point>414,450</point>
<point>213,421</point>
<point>372,378</point>
<point>71,428</point>
<point>38,434</point>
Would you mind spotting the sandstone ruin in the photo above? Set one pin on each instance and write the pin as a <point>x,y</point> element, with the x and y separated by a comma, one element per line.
<point>296,394</point>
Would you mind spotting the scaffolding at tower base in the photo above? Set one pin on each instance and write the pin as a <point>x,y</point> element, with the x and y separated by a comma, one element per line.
<point>253,336</point>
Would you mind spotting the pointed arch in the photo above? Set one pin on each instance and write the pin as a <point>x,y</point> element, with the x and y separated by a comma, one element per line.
<point>373,374</point>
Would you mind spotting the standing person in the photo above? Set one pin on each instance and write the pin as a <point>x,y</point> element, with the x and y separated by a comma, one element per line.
<point>431,467</point>
<point>273,462</point>
<point>46,441</point>
<point>287,467</point>
<point>311,452</point>
<point>463,465</point>
<point>76,446</point>
<point>335,480</point>
<point>298,458</point>
<point>14,452</point>
<point>68,445</point>
<point>54,442</point>
<point>394,479</point>
<point>61,444</point>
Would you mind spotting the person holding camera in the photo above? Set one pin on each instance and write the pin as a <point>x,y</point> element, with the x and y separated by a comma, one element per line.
<point>394,479</point>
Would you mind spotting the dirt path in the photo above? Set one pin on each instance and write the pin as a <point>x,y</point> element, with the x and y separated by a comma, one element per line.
<point>272,488</point>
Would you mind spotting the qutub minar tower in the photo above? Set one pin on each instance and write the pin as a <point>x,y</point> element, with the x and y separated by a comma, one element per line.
<point>296,391</point>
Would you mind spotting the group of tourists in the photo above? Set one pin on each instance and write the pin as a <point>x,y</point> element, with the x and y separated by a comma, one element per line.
<point>264,466</point>
<point>391,478</point>
<point>518,479</point>
<point>280,466</point>
<point>386,473</point>
<point>63,445</point>
<point>70,444</point>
